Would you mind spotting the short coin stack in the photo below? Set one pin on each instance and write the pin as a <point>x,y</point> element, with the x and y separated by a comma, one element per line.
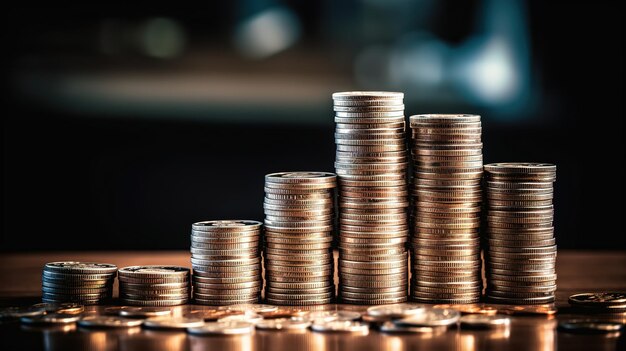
<point>154,285</point>
<point>299,223</point>
<point>521,250</point>
<point>87,283</point>
<point>371,164</point>
<point>448,166</point>
<point>226,259</point>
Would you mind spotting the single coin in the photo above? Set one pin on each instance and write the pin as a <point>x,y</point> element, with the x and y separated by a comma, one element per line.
<point>173,322</point>
<point>431,317</point>
<point>212,314</point>
<point>590,327</point>
<point>339,326</point>
<point>471,309</point>
<point>53,318</point>
<point>390,327</point>
<point>396,310</point>
<point>283,324</point>
<point>62,308</point>
<point>248,317</point>
<point>283,312</point>
<point>223,328</point>
<point>477,321</point>
<point>329,316</point>
<point>141,312</point>
<point>108,322</point>
<point>598,299</point>
<point>19,312</point>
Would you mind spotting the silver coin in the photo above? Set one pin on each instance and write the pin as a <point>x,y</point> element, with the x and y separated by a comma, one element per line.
<point>283,324</point>
<point>590,327</point>
<point>340,326</point>
<point>51,319</point>
<point>431,317</point>
<point>19,312</point>
<point>248,317</point>
<point>141,312</point>
<point>223,328</point>
<point>173,322</point>
<point>481,321</point>
<point>396,310</point>
<point>329,316</point>
<point>108,322</point>
<point>390,327</point>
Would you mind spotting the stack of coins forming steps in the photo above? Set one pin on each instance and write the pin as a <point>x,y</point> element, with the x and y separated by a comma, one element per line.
<point>448,166</point>
<point>226,259</point>
<point>299,223</point>
<point>87,283</point>
<point>520,258</point>
<point>371,164</point>
<point>154,285</point>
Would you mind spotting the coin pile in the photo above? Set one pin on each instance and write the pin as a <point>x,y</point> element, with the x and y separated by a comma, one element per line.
<point>299,223</point>
<point>226,260</point>
<point>371,164</point>
<point>519,234</point>
<point>87,283</point>
<point>154,286</point>
<point>448,166</point>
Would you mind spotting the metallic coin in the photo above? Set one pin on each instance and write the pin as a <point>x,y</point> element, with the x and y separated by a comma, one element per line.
<point>390,327</point>
<point>227,225</point>
<point>430,317</point>
<point>74,267</point>
<point>19,312</point>
<point>598,299</point>
<point>590,327</point>
<point>212,314</point>
<point>248,317</point>
<point>477,321</point>
<point>223,328</point>
<point>52,318</point>
<point>155,303</point>
<point>154,271</point>
<point>108,322</point>
<point>173,322</point>
<point>329,316</point>
<point>283,324</point>
<point>61,308</point>
<point>396,310</point>
<point>340,326</point>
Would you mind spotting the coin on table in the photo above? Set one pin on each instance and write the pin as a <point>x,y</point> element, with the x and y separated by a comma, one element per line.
<point>399,310</point>
<point>283,324</point>
<point>213,314</point>
<point>590,327</point>
<point>470,309</point>
<point>140,312</point>
<point>431,317</point>
<point>477,321</point>
<point>19,312</point>
<point>390,327</point>
<point>329,316</point>
<point>600,299</point>
<point>248,317</point>
<point>108,322</point>
<point>223,328</point>
<point>339,326</point>
<point>62,308</point>
<point>51,319</point>
<point>283,312</point>
<point>254,307</point>
<point>173,323</point>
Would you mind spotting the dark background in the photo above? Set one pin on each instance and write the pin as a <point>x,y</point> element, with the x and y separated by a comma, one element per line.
<point>125,124</point>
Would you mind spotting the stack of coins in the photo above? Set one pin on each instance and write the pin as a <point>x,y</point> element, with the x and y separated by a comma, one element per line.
<point>299,223</point>
<point>87,283</point>
<point>519,234</point>
<point>154,285</point>
<point>371,164</point>
<point>226,260</point>
<point>448,166</point>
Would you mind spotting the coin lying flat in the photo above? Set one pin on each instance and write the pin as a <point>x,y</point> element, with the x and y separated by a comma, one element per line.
<point>108,322</point>
<point>396,310</point>
<point>51,319</point>
<point>283,324</point>
<point>590,327</point>
<point>598,299</point>
<point>62,308</point>
<point>212,314</point>
<point>19,312</point>
<point>329,316</point>
<point>339,326</point>
<point>173,322</point>
<point>390,327</point>
<point>476,321</point>
<point>139,312</point>
<point>248,317</point>
<point>223,328</point>
<point>430,317</point>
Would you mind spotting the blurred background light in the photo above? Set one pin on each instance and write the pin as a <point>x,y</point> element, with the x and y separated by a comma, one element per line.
<point>267,33</point>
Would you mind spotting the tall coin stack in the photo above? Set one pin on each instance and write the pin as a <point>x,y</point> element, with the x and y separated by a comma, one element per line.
<point>154,286</point>
<point>299,223</point>
<point>371,164</point>
<point>226,259</point>
<point>87,283</point>
<point>520,254</point>
<point>448,166</point>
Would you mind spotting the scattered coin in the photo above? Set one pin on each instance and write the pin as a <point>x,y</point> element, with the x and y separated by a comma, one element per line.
<point>138,312</point>
<point>340,326</point>
<point>51,319</point>
<point>19,312</point>
<point>61,308</point>
<point>390,327</point>
<point>598,299</point>
<point>283,324</point>
<point>108,322</point>
<point>477,321</point>
<point>430,317</point>
<point>400,310</point>
<point>329,316</point>
<point>173,322</point>
<point>213,314</point>
<point>248,317</point>
<point>223,328</point>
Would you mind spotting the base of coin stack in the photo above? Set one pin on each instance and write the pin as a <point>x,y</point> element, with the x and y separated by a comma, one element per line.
<point>154,286</point>
<point>371,166</point>
<point>226,260</point>
<point>299,224</point>
<point>448,166</point>
<point>87,283</point>
<point>520,255</point>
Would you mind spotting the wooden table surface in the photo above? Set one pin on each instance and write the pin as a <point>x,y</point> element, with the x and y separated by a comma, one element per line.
<point>578,271</point>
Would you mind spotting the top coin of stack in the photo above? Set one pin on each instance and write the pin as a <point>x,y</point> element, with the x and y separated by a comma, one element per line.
<point>371,165</point>
<point>154,285</point>
<point>299,223</point>
<point>521,250</point>
<point>87,283</point>
<point>447,154</point>
<point>226,260</point>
